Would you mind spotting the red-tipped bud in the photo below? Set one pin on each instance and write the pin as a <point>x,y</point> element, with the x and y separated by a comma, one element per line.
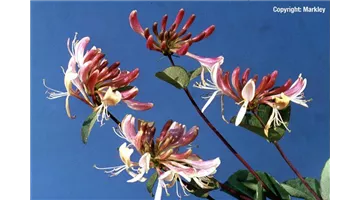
<point>92,81</point>
<point>163,23</point>
<point>146,33</point>
<point>178,18</point>
<point>186,37</point>
<point>150,43</point>
<point>198,37</point>
<point>281,89</point>
<point>155,29</point>
<point>235,80</point>
<point>165,129</point>
<point>255,78</point>
<point>134,23</point>
<point>189,22</point>
<point>209,31</point>
<point>245,76</point>
<point>262,85</point>
<point>114,66</point>
<point>272,80</point>
<point>183,49</point>
<point>103,64</point>
<point>229,91</point>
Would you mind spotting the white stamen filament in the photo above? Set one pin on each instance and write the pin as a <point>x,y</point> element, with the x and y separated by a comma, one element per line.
<point>54,94</point>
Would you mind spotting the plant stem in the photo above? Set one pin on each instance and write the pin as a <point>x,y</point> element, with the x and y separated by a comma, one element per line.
<point>295,171</point>
<point>227,144</point>
<point>288,162</point>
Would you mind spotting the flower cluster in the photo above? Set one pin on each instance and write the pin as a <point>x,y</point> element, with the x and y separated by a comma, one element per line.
<point>163,154</point>
<point>245,93</point>
<point>96,83</point>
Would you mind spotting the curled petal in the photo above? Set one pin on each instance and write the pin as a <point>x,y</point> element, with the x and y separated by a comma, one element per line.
<point>134,23</point>
<point>67,107</point>
<point>111,98</point>
<point>206,62</point>
<point>248,92</point>
<point>136,105</point>
<point>80,49</point>
<point>203,164</point>
<point>241,113</point>
<point>128,127</point>
<point>144,164</point>
<point>125,154</point>
<point>130,94</point>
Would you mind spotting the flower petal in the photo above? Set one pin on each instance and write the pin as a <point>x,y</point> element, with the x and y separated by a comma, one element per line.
<point>80,49</point>
<point>128,127</point>
<point>125,154</point>
<point>136,105</point>
<point>241,113</point>
<point>134,23</point>
<point>212,97</point>
<point>67,107</point>
<point>248,92</point>
<point>158,192</point>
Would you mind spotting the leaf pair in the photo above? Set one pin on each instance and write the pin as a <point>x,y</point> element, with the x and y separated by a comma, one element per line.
<point>178,76</point>
<point>245,183</point>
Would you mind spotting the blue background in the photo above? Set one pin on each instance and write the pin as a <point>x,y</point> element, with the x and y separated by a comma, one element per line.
<point>248,34</point>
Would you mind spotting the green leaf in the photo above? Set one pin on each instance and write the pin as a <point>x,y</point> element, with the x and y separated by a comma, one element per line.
<point>87,126</point>
<point>151,182</point>
<point>175,75</point>
<point>325,181</point>
<point>251,123</point>
<point>200,192</point>
<point>259,193</point>
<point>243,181</point>
<point>297,189</point>
<point>195,73</point>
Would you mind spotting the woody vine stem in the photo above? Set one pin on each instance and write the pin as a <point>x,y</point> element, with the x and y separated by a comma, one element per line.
<point>276,144</point>
<point>227,144</point>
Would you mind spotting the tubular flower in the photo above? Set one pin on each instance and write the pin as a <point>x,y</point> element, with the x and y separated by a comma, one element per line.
<point>96,83</point>
<point>168,41</point>
<point>164,155</point>
<point>245,93</point>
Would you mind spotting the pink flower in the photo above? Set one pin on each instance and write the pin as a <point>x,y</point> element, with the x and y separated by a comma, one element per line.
<point>164,155</point>
<point>245,93</point>
<point>96,83</point>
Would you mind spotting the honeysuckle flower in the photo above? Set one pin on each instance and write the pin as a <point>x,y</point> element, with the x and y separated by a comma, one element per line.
<point>96,83</point>
<point>168,41</point>
<point>282,100</point>
<point>125,154</point>
<point>164,155</point>
<point>245,93</point>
